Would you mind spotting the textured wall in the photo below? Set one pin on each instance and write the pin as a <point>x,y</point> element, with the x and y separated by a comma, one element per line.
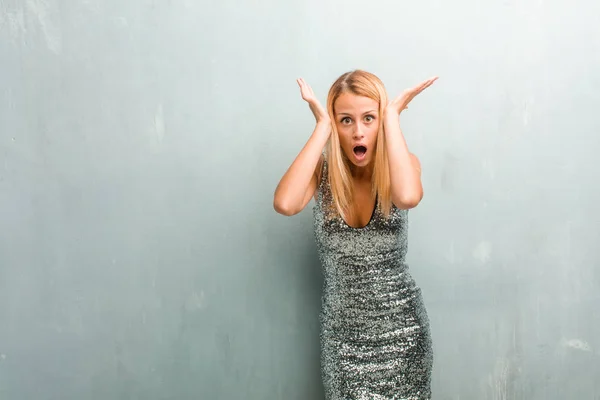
<point>140,144</point>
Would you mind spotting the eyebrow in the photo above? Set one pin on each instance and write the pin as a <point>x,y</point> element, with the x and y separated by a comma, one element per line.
<point>366,112</point>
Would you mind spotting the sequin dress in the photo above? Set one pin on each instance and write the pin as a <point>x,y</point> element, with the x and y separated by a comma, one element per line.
<point>375,338</point>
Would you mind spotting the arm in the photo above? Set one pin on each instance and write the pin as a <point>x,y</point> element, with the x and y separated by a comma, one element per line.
<point>405,168</point>
<point>299,182</point>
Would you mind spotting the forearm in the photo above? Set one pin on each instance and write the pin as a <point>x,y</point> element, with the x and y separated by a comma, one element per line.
<point>291,191</point>
<point>405,174</point>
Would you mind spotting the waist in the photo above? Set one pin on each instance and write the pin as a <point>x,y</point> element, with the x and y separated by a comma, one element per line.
<point>367,283</point>
<point>358,305</point>
<point>393,258</point>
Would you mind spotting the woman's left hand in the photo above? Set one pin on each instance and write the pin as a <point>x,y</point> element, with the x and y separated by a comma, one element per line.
<point>400,103</point>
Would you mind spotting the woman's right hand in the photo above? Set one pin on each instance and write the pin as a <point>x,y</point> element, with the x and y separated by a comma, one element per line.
<point>315,106</point>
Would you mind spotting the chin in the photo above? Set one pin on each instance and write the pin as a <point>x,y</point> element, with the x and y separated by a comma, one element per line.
<point>364,163</point>
<point>360,164</point>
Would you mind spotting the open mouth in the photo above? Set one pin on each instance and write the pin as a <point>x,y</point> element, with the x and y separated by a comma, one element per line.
<point>360,151</point>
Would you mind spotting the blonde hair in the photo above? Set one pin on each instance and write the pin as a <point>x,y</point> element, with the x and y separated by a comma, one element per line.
<point>360,83</point>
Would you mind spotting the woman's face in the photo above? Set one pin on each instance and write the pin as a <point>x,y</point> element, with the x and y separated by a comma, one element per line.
<point>357,123</point>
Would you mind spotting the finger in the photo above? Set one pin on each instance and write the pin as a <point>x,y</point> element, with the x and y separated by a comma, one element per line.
<point>419,86</point>
<point>424,86</point>
<point>430,81</point>
<point>426,83</point>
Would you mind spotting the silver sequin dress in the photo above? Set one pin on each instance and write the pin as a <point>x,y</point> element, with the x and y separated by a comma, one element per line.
<point>375,338</point>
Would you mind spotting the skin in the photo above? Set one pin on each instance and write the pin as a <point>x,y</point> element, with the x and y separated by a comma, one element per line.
<point>405,168</point>
<point>357,123</point>
<point>357,120</point>
<point>299,183</point>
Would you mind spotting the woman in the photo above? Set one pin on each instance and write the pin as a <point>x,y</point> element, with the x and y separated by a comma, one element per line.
<point>375,338</point>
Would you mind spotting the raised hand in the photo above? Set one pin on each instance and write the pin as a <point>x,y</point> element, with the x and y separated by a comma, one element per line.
<point>400,103</point>
<point>313,103</point>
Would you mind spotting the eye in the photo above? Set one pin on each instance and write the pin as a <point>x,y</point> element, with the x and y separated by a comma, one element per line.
<point>345,120</point>
<point>369,118</point>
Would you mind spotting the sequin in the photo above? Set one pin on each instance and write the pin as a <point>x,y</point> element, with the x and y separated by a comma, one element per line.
<point>375,337</point>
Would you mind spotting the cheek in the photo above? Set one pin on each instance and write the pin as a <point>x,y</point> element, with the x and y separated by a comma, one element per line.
<point>373,131</point>
<point>372,138</point>
<point>370,132</point>
<point>345,136</point>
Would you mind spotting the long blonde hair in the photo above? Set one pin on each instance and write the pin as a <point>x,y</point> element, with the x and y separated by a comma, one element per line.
<point>365,84</point>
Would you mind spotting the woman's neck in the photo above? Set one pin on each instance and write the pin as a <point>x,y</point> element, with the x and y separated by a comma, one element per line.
<point>362,174</point>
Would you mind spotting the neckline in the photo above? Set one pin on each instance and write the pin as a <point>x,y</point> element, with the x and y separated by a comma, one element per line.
<point>368,223</point>
<point>324,173</point>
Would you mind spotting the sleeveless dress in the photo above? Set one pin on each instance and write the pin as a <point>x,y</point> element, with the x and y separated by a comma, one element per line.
<point>375,338</point>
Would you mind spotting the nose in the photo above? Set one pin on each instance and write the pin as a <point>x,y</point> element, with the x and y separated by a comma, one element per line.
<point>358,132</point>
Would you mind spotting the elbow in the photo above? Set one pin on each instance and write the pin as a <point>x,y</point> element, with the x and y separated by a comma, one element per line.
<point>408,201</point>
<point>284,208</point>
